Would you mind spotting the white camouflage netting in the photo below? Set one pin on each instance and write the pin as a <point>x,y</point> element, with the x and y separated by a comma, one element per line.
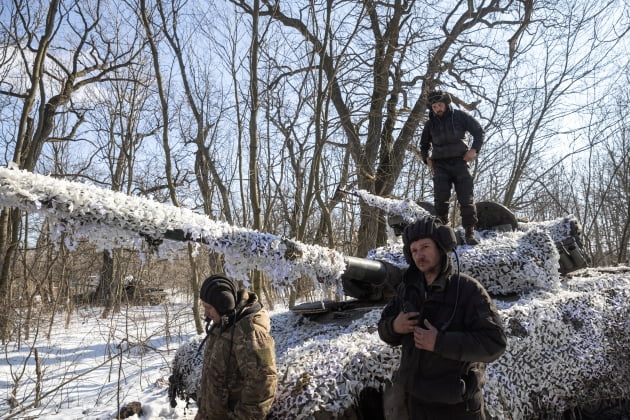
<point>504,262</point>
<point>408,209</point>
<point>566,346</point>
<point>112,219</point>
<point>509,262</point>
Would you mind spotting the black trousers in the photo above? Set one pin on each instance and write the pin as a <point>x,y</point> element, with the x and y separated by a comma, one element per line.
<point>471,410</point>
<point>454,172</point>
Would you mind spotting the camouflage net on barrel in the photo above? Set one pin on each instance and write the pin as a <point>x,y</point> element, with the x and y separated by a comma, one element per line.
<point>111,219</point>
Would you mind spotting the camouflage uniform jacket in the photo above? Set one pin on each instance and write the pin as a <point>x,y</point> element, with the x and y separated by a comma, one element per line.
<point>238,379</point>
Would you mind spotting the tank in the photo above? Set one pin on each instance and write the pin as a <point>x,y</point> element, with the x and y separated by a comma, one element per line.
<point>568,325</point>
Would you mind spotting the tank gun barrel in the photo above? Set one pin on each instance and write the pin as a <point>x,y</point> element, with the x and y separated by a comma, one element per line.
<point>112,219</point>
<point>368,279</point>
<point>362,269</point>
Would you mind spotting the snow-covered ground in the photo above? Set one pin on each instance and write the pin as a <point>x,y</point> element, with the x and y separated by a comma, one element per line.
<point>92,366</point>
<point>565,346</point>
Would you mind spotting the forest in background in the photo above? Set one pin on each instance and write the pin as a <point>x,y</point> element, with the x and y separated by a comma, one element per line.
<point>263,114</point>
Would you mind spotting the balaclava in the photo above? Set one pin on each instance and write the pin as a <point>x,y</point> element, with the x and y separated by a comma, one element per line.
<point>220,292</point>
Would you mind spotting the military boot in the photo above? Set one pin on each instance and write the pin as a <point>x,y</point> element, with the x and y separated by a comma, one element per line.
<point>470,236</point>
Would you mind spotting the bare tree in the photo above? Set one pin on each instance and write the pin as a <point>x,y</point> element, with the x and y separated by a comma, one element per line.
<point>607,183</point>
<point>383,51</point>
<point>199,125</point>
<point>120,125</point>
<point>61,47</point>
<point>254,187</point>
<point>152,32</point>
<point>538,103</point>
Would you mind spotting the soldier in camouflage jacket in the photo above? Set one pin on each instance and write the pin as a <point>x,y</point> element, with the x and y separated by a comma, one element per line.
<point>238,379</point>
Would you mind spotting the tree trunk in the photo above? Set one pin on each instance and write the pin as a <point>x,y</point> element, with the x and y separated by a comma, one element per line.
<point>253,139</point>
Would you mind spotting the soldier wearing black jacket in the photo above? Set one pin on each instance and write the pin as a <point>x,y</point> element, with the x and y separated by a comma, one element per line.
<point>447,325</point>
<point>444,136</point>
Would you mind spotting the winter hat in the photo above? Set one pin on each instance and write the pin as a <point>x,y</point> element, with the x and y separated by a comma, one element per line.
<point>220,292</point>
<point>438,96</point>
<point>428,227</point>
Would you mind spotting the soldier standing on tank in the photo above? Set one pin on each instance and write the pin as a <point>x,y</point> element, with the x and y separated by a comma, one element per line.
<point>445,150</point>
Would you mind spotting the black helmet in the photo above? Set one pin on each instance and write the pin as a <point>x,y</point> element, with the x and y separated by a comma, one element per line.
<point>428,227</point>
<point>438,96</point>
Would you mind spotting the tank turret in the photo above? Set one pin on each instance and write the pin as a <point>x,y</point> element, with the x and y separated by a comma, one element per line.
<point>513,256</point>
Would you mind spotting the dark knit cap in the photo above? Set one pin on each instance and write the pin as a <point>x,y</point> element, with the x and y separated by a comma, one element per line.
<point>220,292</point>
<point>438,96</point>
